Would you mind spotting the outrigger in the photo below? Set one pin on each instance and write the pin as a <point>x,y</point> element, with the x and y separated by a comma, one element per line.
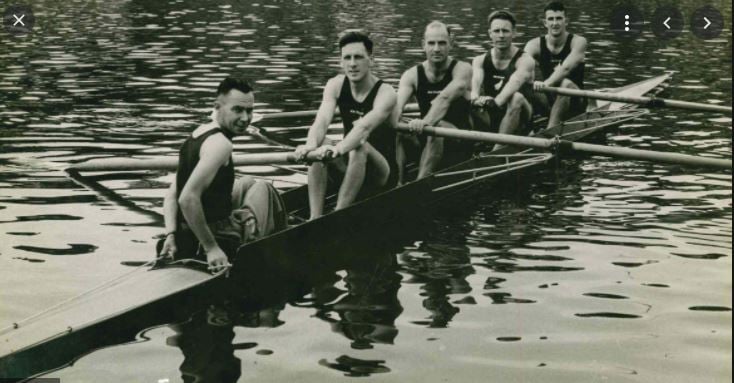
<point>30,346</point>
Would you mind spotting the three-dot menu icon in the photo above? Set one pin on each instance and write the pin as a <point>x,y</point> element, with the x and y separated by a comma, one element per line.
<point>626,21</point>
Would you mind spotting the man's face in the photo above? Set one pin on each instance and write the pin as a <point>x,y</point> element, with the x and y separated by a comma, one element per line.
<point>234,111</point>
<point>555,22</point>
<point>355,61</point>
<point>436,44</point>
<point>501,33</point>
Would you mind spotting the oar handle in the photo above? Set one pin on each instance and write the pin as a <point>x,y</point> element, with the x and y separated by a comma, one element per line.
<point>650,102</point>
<point>312,113</point>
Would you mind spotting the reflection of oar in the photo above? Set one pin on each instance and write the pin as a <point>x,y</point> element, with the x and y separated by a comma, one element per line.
<point>171,163</point>
<point>112,196</point>
<point>550,144</point>
<point>650,102</point>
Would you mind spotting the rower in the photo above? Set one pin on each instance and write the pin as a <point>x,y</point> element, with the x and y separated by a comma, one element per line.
<point>368,147</point>
<point>441,86</point>
<point>502,80</point>
<point>561,57</point>
<point>205,210</point>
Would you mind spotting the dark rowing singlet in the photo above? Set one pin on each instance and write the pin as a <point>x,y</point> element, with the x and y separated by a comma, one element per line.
<point>382,137</point>
<point>217,198</point>
<point>548,61</point>
<point>496,79</point>
<point>458,113</point>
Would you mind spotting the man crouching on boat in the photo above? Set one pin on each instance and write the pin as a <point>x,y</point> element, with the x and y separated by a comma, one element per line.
<point>502,80</point>
<point>198,207</point>
<point>366,105</point>
<point>441,86</point>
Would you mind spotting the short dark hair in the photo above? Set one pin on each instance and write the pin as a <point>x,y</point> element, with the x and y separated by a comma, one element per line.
<point>502,15</point>
<point>233,82</point>
<point>356,37</point>
<point>555,6</point>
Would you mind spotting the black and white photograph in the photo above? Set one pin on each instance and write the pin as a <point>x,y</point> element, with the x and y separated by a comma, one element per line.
<point>311,191</point>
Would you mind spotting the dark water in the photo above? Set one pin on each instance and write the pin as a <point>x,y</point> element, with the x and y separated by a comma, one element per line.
<point>593,270</point>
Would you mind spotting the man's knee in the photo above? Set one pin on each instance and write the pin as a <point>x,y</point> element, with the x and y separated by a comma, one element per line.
<point>517,102</point>
<point>241,187</point>
<point>358,156</point>
<point>258,186</point>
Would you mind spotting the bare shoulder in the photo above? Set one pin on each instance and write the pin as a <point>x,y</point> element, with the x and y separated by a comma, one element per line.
<point>461,66</point>
<point>333,86</point>
<point>533,46</point>
<point>410,76</point>
<point>385,88</point>
<point>386,94</point>
<point>578,42</point>
<point>217,142</point>
<point>526,60</point>
<point>215,149</point>
<point>477,61</point>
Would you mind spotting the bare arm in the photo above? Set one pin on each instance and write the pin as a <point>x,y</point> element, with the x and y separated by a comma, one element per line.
<point>214,153</point>
<point>381,111</point>
<point>406,89</point>
<point>576,57</point>
<point>524,73</point>
<point>170,208</point>
<point>533,48</point>
<point>325,115</point>
<point>170,212</point>
<point>477,77</point>
<point>460,83</point>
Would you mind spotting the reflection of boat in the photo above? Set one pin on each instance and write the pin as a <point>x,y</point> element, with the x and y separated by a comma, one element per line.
<point>34,345</point>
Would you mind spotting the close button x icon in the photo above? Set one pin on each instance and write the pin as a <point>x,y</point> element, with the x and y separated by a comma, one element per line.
<point>18,20</point>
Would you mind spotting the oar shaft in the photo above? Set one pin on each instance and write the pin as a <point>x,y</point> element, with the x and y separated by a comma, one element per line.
<point>642,100</point>
<point>649,155</point>
<point>171,163</point>
<point>312,113</point>
<point>602,150</point>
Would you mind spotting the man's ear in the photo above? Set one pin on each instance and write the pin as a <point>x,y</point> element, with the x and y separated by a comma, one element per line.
<point>216,105</point>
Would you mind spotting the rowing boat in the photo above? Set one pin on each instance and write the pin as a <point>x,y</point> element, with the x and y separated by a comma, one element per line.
<point>51,338</point>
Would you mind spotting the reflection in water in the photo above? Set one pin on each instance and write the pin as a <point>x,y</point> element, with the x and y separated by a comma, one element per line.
<point>206,343</point>
<point>366,311</point>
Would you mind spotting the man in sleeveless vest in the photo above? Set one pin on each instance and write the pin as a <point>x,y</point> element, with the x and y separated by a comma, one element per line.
<point>502,80</point>
<point>441,85</point>
<point>206,212</point>
<point>366,105</point>
<point>561,57</point>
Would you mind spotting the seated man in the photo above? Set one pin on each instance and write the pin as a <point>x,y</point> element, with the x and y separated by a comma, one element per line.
<point>365,104</point>
<point>502,80</point>
<point>205,209</point>
<point>561,57</point>
<point>441,86</point>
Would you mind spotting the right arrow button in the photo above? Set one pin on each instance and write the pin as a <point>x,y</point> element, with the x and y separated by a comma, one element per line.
<point>707,22</point>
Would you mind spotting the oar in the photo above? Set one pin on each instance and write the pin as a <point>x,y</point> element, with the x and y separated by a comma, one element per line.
<point>312,113</point>
<point>171,163</point>
<point>549,144</point>
<point>650,102</point>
